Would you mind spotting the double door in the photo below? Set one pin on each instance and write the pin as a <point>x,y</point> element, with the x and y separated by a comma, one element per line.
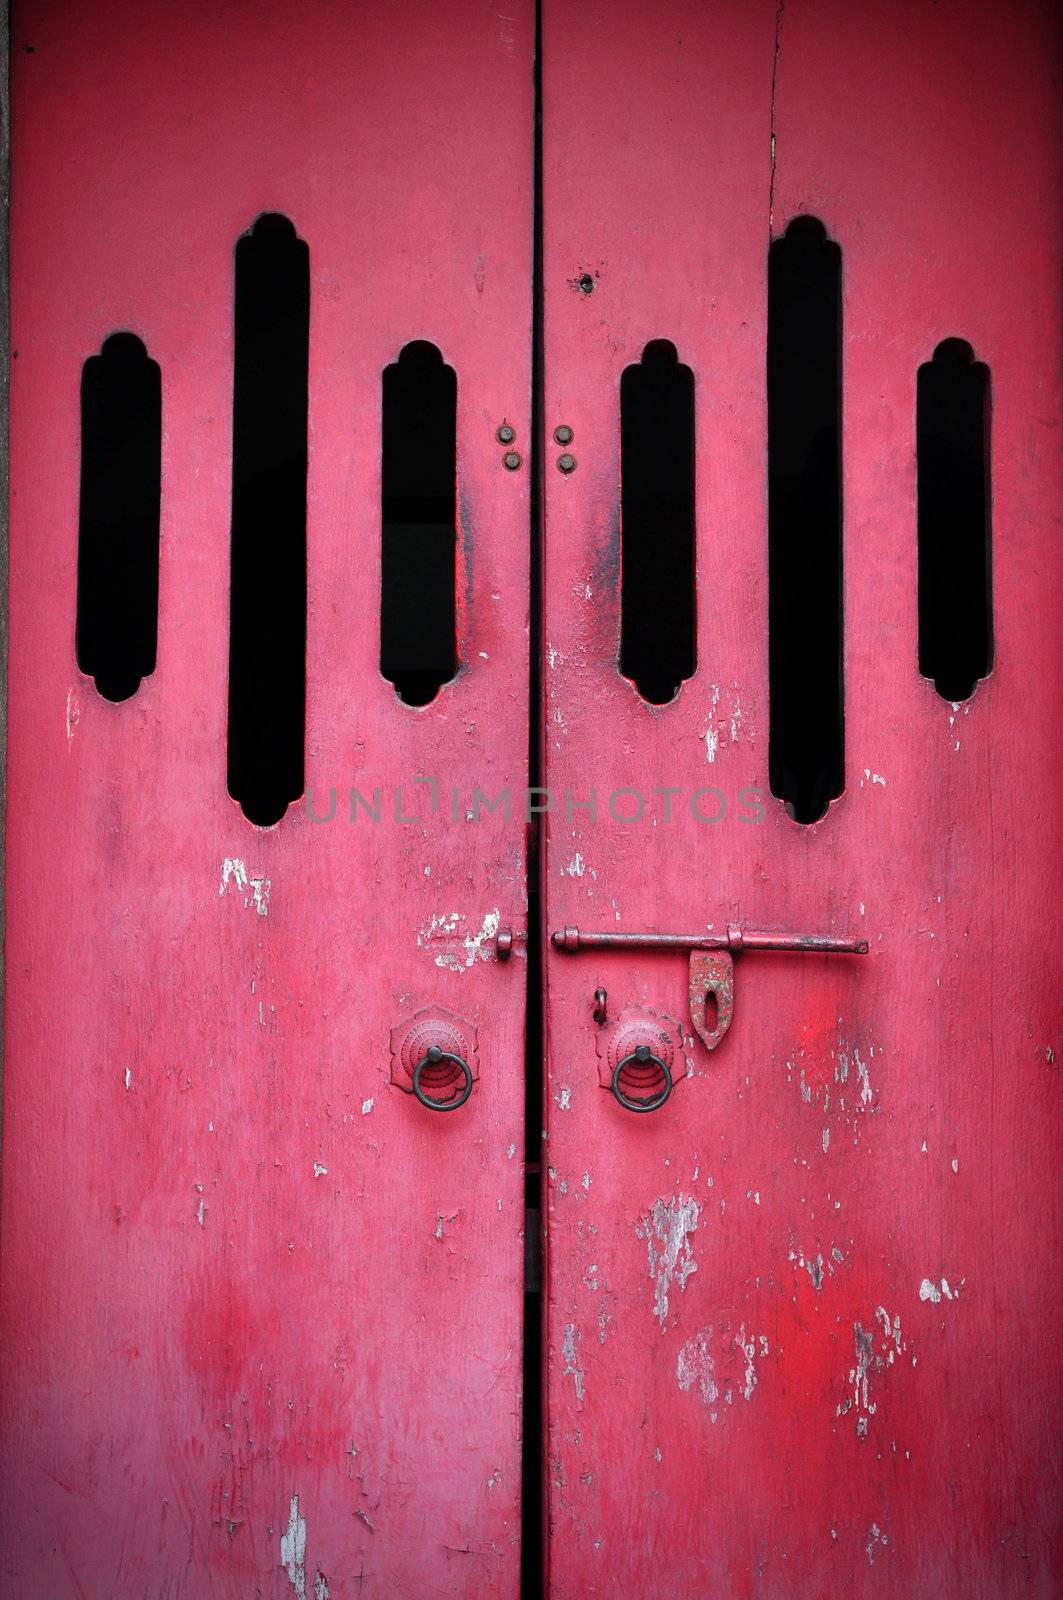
<point>771,711</point>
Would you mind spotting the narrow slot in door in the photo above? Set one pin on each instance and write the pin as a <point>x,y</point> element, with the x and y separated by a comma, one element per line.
<point>118,523</point>
<point>806,746</point>
<point>418,643</point>
<point>952,448</point>
<point>267,607</point>
<point>657,608</point>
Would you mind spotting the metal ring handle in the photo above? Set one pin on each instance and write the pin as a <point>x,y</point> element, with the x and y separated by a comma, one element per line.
<point>431,1059</point>
<point>655,1101</point>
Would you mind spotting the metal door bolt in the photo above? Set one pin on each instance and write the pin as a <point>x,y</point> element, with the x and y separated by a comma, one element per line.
<point>511,460</point>
<point>566,462</point>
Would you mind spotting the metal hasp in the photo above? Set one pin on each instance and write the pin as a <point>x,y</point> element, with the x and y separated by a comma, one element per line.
<point>711,962</point>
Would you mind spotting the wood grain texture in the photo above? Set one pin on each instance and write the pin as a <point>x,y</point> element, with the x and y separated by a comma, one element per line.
<point>802,1324</point>
<point>253,1293</point>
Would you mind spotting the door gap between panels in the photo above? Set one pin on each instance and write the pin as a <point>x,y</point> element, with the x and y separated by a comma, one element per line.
<point>532,1574</point>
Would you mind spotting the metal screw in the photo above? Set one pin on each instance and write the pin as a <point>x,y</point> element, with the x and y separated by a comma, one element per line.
<point>566,462</point>
<point>563,435</point>
<point>506,434</point>
<point>511,460</point>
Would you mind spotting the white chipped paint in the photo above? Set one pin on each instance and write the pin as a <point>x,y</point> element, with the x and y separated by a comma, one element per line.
<point>568,1350</point>
<point>826,1140</point>
<point>127,1078</point>
<point>748,1349</point>
<point>671,1257</point>
<point>319,1170</point>
<point>564,1099</point>
<point>954,1164</point>
<point>511,1152</point>
<point>943,1290</point>
<point>695,1365</point>
<point>712,732</point>
<point>320,1587</point>
<point>293,1549</point>
<point>575,868</point>
<point>255,890</point>
<point>73,714</point>
<point>873,777</point>
<point>467,948</point>
<point>367,1106</point>
<point>877,1348</point>
<point>874,1537</point>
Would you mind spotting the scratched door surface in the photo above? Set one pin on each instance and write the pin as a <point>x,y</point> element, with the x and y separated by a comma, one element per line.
<point>801,1323</point>
<point>261,1309</point>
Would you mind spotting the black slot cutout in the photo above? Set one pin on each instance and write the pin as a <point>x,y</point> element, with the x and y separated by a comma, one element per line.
<point>952,449</point>
<point>658,606</point>
<point>805,623</point>
<point>418,625</point>
<point>118,524</point>
<point>267,606</point>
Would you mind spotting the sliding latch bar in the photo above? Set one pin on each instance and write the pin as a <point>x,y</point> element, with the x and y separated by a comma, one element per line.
<point>711,963</point>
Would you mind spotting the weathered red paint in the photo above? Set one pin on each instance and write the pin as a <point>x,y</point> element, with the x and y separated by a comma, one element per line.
<point>802,1320</point>
<point>252,1291</point>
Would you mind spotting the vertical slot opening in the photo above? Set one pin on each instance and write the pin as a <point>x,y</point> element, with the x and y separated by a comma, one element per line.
<point>806,744</point>
<point>952,450</point>
<point>658,649</point>
<point>418,625</point>
<point>267,606</point>
<point>118,524</point>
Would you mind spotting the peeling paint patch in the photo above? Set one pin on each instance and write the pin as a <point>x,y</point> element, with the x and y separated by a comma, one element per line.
<point>127,1078</point>
<point>815,1266</point>
<point>367,1106</point>
<point>568,1351</point>
<point>671,1258</point>
<point>441,1219</point>
<point>695,1365</point>
<point>874,1537</point>
<point>293,1549</point>
<point>255,890</point>
<point>319,1170</point>
<point>722,1364</point>
<point>874,1353</point>
<point>929,1290</point>
<point>564,1099</point>
<point>467,948</point>
<point>576,867</point>
<point>73,715</point>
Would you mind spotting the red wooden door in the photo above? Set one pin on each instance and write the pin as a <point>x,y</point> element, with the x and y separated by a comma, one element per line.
<point>801,1321</point>
<point>262,1309</point>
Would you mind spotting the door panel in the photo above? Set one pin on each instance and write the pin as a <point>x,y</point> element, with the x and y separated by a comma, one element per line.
<point>799,1325</point>
<point>261,1309</point>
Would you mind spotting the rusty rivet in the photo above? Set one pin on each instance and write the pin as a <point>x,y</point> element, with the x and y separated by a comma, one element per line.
<point>511,460</point>
<point>506,434</point>
<point>566,462</point>
<point>563,435</point>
